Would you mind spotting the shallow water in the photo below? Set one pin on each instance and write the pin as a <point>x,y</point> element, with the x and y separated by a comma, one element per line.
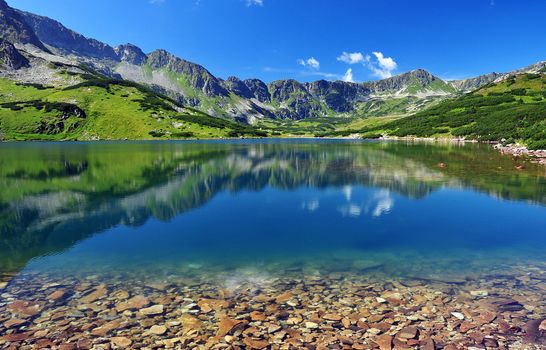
<point>233,213</point>
<point>331,205</point>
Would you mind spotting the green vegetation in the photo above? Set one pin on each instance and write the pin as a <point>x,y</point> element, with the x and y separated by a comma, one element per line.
<point>513,110</point>
<point>101,108</point>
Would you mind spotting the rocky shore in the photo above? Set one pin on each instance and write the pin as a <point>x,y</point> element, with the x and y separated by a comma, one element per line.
<point>536,156</point>
<point>499,309</point>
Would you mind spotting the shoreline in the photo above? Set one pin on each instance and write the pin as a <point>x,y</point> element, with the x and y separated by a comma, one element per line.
<point>534,156</point>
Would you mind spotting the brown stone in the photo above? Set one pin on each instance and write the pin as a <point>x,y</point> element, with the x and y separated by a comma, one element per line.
<point>283,298</point>
<point>487,316</point>
<point>121,342</point>
<point>24,308</point>
<point>158,330</point>
<point>375,318</point>
<point>478,337</point>
<point>466,326</point>
<point>14,322</point>
<point>332,317</point>
<point>153,310</point>
<point>407,333</point>
<point>208,305</point>
<point>255,343</point>
<point>16,337</point>
<point>67,346</point>
<point>226,325</point>
<point>41,334</point>
<point>384,327</point>
<point>99,293</point>
<point>257,316</point>
<point>190,323</point>
<point>135,303</point>
<point>106,328</point>
<point>362,324</point>
<point>56,295</point>
<point>384,342</point>
<point>44,344</point>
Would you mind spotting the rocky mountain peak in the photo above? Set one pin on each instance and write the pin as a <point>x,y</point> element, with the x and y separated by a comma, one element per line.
<point>238,87</point>
<point>196,75</point>
<point>131,54</point>
<point>415,80</point>
<point>66,41</point>
<point>259,89</point>
<point>14,28</point>
<point>10,56</point>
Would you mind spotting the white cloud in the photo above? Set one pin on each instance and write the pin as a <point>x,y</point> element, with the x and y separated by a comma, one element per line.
<point>348,76</point>
<point>381,66</point>
<point>310,62</point>
<point>254,2</point>
<point>352,58</point>
<point>156,1</point>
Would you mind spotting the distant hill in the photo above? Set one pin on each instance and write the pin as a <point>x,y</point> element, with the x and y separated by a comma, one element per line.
<point>510,110</point>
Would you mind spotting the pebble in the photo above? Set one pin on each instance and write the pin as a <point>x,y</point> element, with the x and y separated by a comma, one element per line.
<point>458,315</point>
<point>479,293</point>
<point>153,310</point>
<point>122,342</point>
<point>158,330</point>
<point>311,325</point>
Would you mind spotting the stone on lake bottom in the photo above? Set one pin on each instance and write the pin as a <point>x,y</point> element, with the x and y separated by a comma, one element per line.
<point>135,303</point>
<point>384,342</point>
<point>255,343</point>
<point>153,310</point>
<point>121,342</point>
<point>158,330</point>
<point>458,315</point>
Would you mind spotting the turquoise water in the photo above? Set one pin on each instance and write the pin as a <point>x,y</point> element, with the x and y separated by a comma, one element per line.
<point>261,208</point>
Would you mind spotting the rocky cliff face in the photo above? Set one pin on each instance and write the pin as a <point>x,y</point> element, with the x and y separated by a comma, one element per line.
<point>10,57</point>
<point>197,76</point>
<point>14,29</point>
<point>131,54</point>
<point>472,84</point>
<point>66,41</point>
<point>259,90</point>
<point>238,87</point>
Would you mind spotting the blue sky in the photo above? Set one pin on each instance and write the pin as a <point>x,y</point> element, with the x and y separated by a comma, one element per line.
<point>307,39</point>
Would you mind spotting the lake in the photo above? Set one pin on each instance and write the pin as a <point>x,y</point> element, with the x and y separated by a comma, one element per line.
<point>271,243</point>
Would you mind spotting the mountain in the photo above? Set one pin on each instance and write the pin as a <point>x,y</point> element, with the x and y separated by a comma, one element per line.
<point>509,110</point>
<point>193,85</point>
<point>40,53</point>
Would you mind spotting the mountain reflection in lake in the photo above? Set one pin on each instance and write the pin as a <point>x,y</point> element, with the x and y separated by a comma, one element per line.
<point>252,200</point>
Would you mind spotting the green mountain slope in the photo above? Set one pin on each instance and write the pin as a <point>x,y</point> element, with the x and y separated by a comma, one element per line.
<point>513,110</point>
<point>101,108</point>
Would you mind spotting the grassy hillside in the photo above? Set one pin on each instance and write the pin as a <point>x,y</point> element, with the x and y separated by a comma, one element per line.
<point>100,108</point>
<point>513,110</point>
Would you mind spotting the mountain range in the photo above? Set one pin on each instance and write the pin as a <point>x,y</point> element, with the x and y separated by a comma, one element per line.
<point>40,39</point>
<point>39,51</point>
